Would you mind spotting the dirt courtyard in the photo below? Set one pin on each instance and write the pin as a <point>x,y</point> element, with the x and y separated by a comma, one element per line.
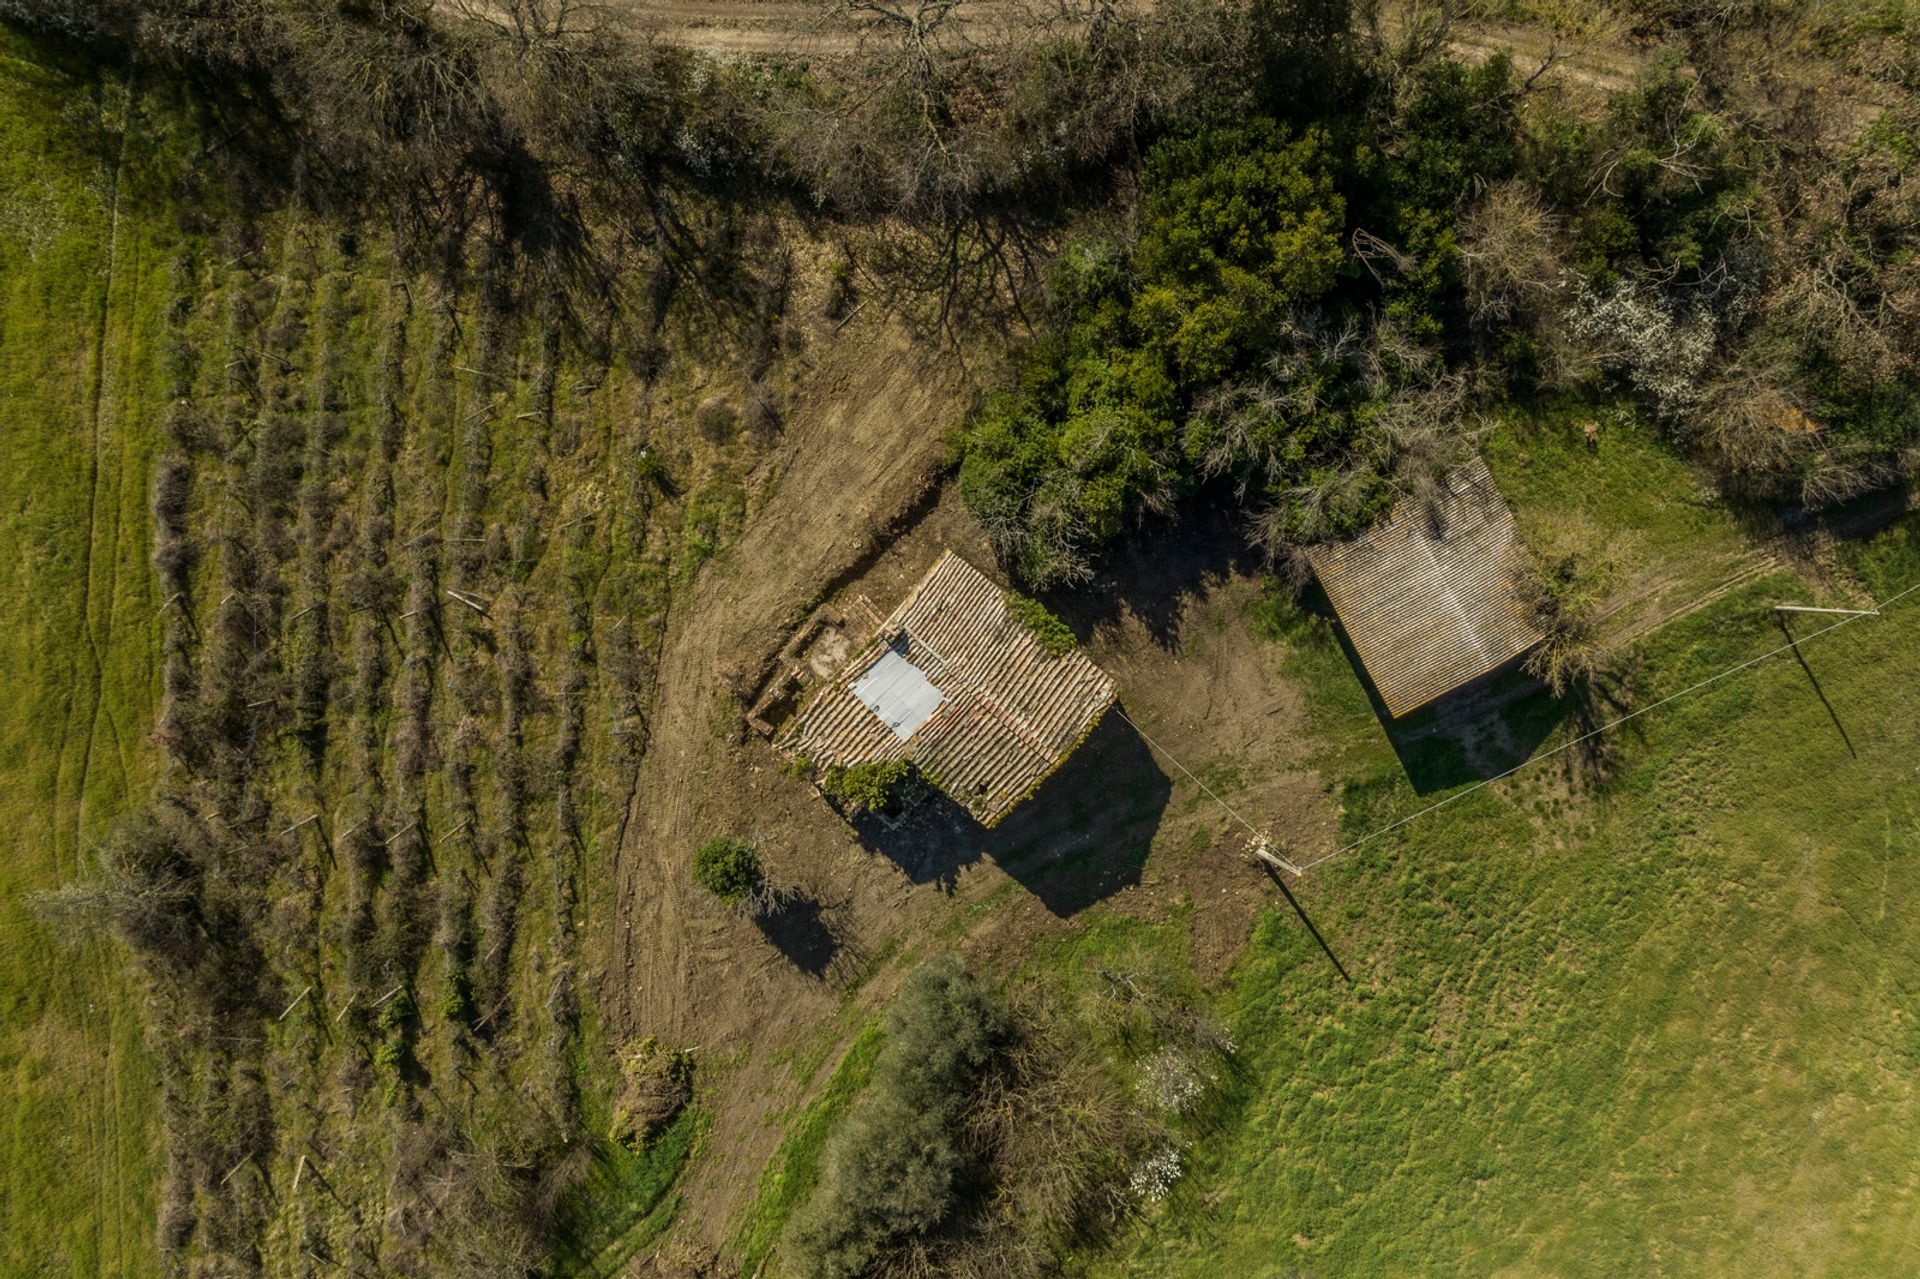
<point>769,1004</point>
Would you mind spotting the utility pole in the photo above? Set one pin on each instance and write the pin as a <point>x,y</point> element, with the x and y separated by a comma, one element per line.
<point>1844,612</point>
<point>1277,868</point>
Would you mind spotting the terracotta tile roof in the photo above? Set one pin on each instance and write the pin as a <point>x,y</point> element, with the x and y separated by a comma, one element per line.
<point>1008,712</point>
<point>1427,597</point>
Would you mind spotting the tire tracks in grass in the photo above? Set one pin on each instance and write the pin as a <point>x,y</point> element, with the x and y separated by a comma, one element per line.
<point>90,674</point>
<point>107,1147</point>
<point>83,707</point>
<point>101,553</point>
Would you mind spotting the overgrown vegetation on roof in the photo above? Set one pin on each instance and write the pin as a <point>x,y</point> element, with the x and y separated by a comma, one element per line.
<point>1055,636</point>
<point>866,788</point>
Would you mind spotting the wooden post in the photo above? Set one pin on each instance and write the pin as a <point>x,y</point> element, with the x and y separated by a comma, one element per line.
<point>1260,848</point>
<point>1844,612</point>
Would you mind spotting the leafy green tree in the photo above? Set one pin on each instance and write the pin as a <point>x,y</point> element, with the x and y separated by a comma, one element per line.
<point>1236,225</point>
<point>1239,225</point>
<point>889,1172</point>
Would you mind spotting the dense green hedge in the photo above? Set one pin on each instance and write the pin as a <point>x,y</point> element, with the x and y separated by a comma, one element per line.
<point>1308,309</point>
<point>1213,344</point>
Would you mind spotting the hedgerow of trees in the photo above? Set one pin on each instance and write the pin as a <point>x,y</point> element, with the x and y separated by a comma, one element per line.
<point>1310,304</point>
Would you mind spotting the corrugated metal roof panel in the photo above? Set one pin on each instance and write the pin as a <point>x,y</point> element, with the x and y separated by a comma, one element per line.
<point>898,692</point>
<point>1427,596</point>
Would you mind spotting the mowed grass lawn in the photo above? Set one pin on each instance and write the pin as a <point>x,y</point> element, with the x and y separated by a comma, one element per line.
<point>80,291</point>
<point>1665,1025</point>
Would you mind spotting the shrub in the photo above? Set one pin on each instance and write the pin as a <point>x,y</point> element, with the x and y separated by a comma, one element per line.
<point>1756,438</point>
<point>395,1013</point>
<point>1658,346</point>
<point>999,1136</point>
<point>762,412</point>
<point>1512,260</point>
<point>148,890</point>
<point>889,1173</point>
<point>840,289</point>
<point>717,419</point>
<point>1563,591</point>
<point>867,787</point>
<point>656,1082</point>
<point>729,869</point>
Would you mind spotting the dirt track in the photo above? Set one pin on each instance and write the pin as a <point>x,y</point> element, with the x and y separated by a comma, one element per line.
<point>787,28</point>
<point>794,29</point>
<point>868,443</point>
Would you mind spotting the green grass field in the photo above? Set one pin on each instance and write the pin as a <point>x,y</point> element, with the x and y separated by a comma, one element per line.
<point>1664,1025</point>
<point>81,281</point>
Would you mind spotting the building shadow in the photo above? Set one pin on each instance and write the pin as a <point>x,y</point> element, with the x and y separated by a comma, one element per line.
<point>1483,728</point>
<point>1153,576</point>
<point>797,928</point>
<point>1081,837</point>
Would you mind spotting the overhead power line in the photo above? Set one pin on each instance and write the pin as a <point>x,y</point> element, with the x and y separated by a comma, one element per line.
<point>1851,617</point>
<point>1609,726</point>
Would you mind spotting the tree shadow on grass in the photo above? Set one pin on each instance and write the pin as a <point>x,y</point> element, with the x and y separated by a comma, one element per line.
<point>1081,837</point>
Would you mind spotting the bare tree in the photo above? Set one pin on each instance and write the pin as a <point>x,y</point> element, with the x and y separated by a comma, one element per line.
<point>145,890</point>
<point>1512,255</point>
